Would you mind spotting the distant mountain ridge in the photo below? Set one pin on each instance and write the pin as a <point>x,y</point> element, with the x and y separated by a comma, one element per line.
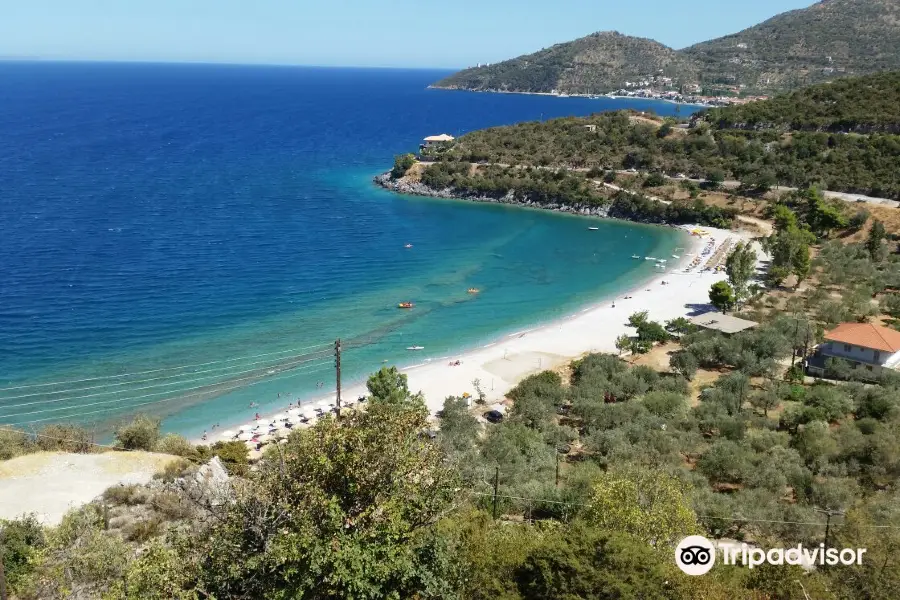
<point>829,39</point>
<point>594,63</point>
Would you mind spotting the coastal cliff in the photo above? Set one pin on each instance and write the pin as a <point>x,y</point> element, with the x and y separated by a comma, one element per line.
<point>622,205</point>
<point>405,185</point>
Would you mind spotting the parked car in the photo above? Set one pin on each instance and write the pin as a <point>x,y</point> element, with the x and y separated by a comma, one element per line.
<point>493,416</point>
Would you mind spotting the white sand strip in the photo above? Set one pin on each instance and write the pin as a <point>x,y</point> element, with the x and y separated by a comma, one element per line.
<point>500,365</point>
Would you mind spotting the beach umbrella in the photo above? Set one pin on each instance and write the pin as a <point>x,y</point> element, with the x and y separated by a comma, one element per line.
<point>262,422</point>
<point>245,436</point>
<point>227,434</point>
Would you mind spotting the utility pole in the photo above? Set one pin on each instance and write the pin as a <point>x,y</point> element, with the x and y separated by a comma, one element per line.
<point>796,331</point>
<point>2,572</point>
<point>828,514</point>
<point>337,369</point>
<point>557,466</point>
<point>496,486</point>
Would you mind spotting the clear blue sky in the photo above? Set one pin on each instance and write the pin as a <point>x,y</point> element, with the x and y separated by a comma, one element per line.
<point>426,33</point>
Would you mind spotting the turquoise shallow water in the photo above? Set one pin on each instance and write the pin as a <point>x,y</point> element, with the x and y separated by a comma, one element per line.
<point>196,241</point>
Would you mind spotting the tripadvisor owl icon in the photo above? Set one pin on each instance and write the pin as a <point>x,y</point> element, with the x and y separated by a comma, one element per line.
<point>695,555</point>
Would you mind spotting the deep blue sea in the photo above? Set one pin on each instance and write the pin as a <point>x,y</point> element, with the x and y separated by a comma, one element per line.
<point>185,239</point>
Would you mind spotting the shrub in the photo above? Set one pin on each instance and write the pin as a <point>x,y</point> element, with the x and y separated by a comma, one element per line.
<point>173,470</point>
<point>655,180</point>
<point>14,443</point>
<point>858,220</point>
<point>127,495</point>
<point>175,445</point>
<point>65,438</point>
<point>22,539</point>
<point>402,164</point>
<point>171,506</point>
<point>143,530</point>
<point>141,434</point>
<point>232,454</point>
<point>684,363</point>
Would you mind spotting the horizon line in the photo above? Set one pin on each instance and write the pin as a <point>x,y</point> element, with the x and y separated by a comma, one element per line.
<point>30,59</point>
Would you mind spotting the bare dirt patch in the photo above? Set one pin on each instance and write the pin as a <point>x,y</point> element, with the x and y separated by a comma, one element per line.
<point>50,483</point>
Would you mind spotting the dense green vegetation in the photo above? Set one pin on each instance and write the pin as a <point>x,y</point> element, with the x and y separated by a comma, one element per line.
<point>830,39</point>
<point>746,143</point>
<point>596,63</point>
<point>598,474</point>
<point>863,104</point>
<point>581,491</point>
<point>548,187</point>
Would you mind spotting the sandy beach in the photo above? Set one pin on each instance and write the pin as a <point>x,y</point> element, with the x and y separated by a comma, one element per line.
<point>502,363</point>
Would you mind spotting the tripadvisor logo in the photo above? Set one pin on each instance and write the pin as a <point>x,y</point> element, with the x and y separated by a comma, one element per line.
<point>696,555</point>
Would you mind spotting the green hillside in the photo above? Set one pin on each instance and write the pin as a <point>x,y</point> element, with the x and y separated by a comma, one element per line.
<point>598,62</point>
<point>827,40</point>
<point>794,140</point>
<point>862,104</point>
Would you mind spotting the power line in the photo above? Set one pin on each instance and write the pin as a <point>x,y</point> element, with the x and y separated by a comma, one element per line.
<point>736,519</point>
<point>473,492</point>
<point>59,439</point>
<point>149,387</point>
<point>214,362</point>
<point>181,396</point>
<point>176,382</point>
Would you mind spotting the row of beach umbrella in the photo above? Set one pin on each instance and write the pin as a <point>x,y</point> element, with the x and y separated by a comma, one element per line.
<point>264,431</point>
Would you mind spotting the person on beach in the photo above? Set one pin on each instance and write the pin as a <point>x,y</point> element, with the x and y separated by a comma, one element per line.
<point>257,416</point>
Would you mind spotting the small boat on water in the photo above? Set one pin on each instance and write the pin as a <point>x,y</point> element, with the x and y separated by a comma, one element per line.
<point>405,305</point>
<point>649,258</point>
<point>675,256</point>
<point>593,228</point>
<point>408,246</point>
<point>635,256</point>
<point>416,348</point>
<point>473,290</point>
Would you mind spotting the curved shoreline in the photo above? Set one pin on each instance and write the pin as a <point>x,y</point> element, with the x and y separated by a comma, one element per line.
<point>465,351</point>
<point>417,188</point>
<point>506,358</point>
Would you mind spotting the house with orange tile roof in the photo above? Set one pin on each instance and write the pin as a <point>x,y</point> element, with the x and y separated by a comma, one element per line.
<point>865,346</point>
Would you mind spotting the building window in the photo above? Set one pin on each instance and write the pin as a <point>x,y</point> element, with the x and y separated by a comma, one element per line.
<point>847,347</point>
<point>877,356</point>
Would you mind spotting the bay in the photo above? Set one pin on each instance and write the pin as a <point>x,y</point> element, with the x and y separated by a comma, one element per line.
<point>184,240</point>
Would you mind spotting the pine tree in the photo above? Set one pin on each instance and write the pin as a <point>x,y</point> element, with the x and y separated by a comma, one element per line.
<point>873,241</point>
